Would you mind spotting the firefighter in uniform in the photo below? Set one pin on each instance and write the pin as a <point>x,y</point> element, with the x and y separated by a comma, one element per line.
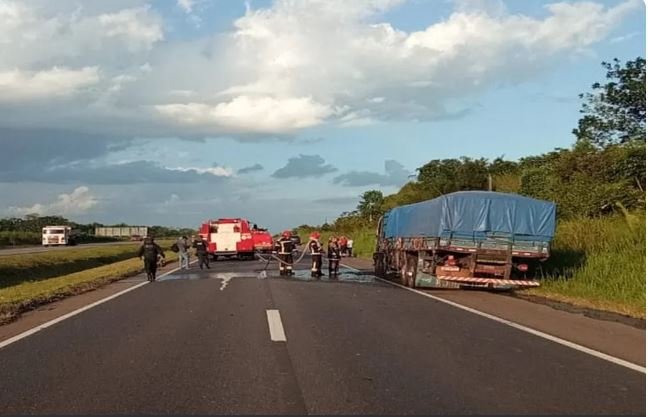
<point>334,256</point>
<point>285,247</point>
<point>150,252</point>
<point>316,255</point>
<point>200,244</point>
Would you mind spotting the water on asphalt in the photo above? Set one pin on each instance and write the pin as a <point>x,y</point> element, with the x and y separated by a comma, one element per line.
<point>345,275</point>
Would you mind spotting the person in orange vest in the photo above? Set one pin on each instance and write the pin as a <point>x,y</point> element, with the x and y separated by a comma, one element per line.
<point>316,250</point>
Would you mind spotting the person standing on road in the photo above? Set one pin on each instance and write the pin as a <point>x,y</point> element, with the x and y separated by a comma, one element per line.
<point>200,244</point>
<point>285,247</point>
<point>334,256</point>
<point>183,250</point>
<point>316,250</point>
<point>149,251</point>
<point>350,247</point>
<point>342,244</point>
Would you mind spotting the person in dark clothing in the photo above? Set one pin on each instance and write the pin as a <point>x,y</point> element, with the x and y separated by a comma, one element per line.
<point>200,244</point>
<point>149,251</point>
<point>333,257</point>
<point>285,247</point>
<point>316,255</point>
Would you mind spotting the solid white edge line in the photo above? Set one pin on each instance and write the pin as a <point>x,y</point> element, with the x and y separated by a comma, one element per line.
<point>277,333</point>
<point>50,323</point>
<point>567,343</point>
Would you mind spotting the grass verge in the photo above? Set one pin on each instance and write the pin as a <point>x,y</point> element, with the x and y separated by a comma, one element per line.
<point>599,264</point>
<point>17,299</point>
<point>16,269</point>
<point>364,241</point>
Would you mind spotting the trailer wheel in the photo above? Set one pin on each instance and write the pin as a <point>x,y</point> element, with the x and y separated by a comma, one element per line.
<point>411,266</point>
<point>403,274</point>
<point>214,258</point>
<point>379,265</point>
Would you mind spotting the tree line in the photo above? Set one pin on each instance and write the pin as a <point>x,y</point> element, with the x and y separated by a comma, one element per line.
<point>34,223</point>
<point>603,172</point>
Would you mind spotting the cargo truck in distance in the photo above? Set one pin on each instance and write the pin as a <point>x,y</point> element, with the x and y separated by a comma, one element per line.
<point>468,238</point>
<point>58,236</point>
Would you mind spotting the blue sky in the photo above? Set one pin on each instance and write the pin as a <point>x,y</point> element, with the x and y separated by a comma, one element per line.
<point>145,111</point>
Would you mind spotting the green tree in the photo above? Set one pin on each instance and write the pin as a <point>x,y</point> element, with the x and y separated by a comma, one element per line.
<point>370,205</point>
<point>443,176</point>
<point>615,112</point>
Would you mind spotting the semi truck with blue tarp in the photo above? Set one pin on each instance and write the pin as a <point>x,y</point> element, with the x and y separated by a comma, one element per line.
<point>468,238</point>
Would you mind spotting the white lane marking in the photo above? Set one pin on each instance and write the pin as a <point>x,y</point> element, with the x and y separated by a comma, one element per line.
<point>567,343</point>
<point>225,279</point>
<point>276,327</point>
<point>50,323</point>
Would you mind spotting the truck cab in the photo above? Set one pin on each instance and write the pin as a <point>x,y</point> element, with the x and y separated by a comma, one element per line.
<point>57,236</point>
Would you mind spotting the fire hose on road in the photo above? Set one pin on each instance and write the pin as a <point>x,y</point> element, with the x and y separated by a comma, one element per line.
<point>272,256</point>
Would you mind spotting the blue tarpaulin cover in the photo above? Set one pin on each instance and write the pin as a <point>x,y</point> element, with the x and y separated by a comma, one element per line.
<point>475,214</point>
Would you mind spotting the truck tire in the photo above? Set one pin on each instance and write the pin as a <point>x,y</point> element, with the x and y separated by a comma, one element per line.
<point>403,274</point>
<point>379,265</point>
<point>411,267</point>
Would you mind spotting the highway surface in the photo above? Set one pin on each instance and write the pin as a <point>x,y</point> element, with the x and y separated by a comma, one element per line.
<point>202,342</point>
<point>37,249</point>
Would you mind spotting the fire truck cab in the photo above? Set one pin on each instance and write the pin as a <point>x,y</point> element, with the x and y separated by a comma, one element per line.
<point>230,237</point>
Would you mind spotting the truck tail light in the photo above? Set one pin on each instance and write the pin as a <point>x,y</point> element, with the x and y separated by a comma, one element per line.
<point>523,267</point>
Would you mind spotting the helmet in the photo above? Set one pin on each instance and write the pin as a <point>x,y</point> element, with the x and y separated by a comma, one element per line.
<point>286,233</point>
<point>315,235</point>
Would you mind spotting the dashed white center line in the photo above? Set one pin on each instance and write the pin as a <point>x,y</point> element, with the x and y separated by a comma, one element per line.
<point>277,333</point>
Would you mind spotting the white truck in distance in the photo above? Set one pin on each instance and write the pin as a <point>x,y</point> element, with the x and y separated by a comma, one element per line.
<point>57,235</point>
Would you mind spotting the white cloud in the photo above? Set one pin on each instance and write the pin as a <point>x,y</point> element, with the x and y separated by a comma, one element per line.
<point>18,85</point>
<point>134,25</point>
<point>281,68</point>
<point>256,114</point>
<point>79,201</point>
<point>186,5</point>
<point>216,171</point>
<point>624,38</point>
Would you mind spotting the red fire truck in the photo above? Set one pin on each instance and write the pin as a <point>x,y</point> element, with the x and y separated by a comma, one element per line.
<point>233,237</point>
<point>263,241</point>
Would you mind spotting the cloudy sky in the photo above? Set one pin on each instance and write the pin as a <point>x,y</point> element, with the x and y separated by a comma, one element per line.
<point>174,111</point>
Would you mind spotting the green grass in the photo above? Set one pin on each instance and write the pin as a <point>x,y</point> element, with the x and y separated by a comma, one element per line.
<point>599,263</point>
<point>19,238</point>
<point>364,241</point>
<point>39,266</point>
<point>27,295</point>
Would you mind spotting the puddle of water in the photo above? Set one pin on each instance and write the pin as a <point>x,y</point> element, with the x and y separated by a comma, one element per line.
<point>345,275</point>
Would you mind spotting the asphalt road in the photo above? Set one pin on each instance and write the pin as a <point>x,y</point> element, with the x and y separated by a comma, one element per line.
<point>199,342</point>
<point>37,249</point>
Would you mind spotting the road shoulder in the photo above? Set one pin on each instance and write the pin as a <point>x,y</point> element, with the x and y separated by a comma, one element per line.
<point>609,337</point>
<point>51,311</point>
